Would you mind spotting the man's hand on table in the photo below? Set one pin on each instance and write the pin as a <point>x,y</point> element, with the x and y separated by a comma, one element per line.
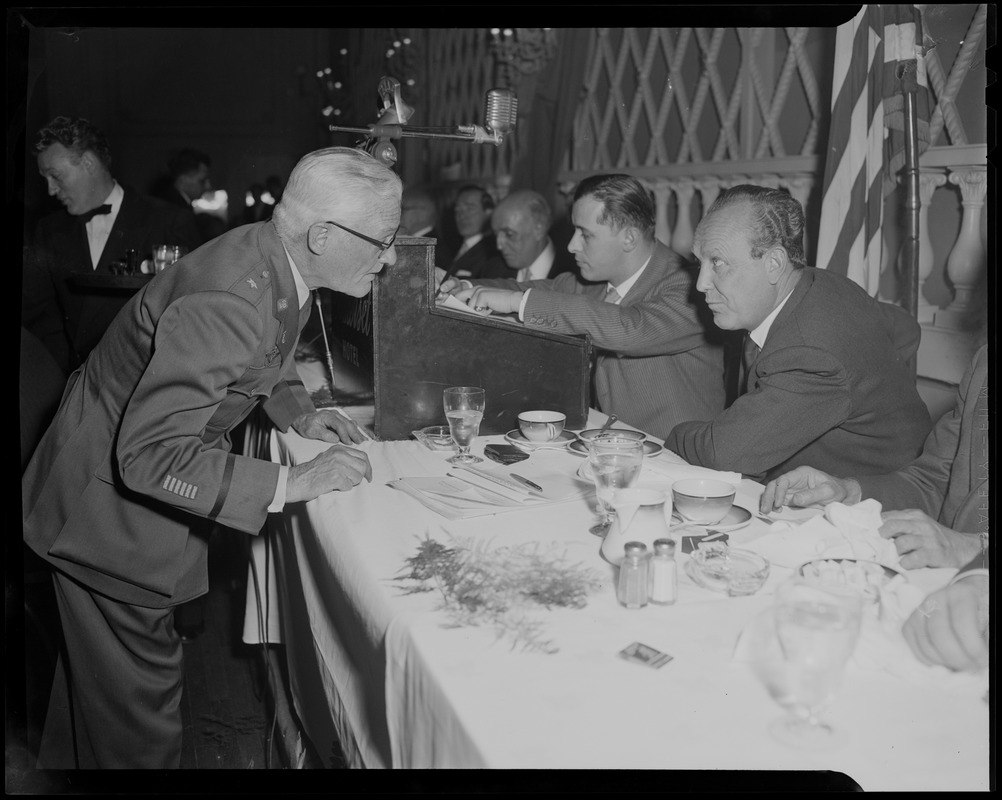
<point>806,486</point>
<point>329,425</point>
<point>337,469</point>
<point>950,627</point>
<point>923,542</point>
<point>501,301</point>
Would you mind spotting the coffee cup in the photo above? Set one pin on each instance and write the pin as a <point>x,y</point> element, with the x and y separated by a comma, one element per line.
<point>541,426</point>
<point>702,501</point>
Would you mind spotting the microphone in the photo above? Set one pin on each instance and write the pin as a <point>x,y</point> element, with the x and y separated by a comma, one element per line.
<point>501,111</point>
<point>500,116</point>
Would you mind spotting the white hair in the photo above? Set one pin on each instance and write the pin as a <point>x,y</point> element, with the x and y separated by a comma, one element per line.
<point>339,182</point>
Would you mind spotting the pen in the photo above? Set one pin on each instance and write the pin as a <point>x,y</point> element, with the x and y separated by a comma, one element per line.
<point>527,482</point>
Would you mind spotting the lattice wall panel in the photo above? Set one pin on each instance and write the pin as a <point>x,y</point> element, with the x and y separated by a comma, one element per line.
<point>663,96</point>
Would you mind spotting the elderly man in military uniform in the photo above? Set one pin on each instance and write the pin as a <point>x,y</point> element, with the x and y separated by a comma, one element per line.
<point>137,467</point>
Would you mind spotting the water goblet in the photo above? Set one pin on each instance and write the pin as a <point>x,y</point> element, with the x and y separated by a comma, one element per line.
<point>615,463</point>
<point>803,645</point>
<point>464,409</point>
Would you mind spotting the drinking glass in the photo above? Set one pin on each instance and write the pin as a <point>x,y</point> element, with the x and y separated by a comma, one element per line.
<point>464,409</point>
<point>163,257</point>
<point>615,463</point>
<point>803,645</point>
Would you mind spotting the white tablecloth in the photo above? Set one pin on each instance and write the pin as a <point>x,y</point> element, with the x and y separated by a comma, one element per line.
<point>400,688</point>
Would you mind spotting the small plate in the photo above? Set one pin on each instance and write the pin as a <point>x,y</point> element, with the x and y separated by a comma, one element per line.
<point>736,518</point>
<point>651,449</point>
<point>516,437</point>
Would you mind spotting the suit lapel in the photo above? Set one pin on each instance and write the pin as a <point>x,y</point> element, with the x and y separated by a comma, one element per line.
<point>284,298</point>
<point>650,276</point>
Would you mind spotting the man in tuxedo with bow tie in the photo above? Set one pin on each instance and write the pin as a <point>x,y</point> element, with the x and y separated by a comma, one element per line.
<point>100,223</point>
<point>137,468</point>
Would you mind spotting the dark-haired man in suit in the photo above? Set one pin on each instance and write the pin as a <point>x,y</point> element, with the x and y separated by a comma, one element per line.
<point>657,364</point>
<point>100,223</point>
<point>478,255</point>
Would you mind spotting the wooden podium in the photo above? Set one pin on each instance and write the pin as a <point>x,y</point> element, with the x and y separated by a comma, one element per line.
<point>409,350</point>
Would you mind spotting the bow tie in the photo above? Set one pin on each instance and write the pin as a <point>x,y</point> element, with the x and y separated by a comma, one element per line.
<point>87,216</point>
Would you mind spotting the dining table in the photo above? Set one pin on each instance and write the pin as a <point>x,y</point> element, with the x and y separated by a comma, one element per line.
<point>401,665</point>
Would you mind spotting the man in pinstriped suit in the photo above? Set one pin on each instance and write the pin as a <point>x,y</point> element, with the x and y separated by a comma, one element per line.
<point>658,363</point>
<point>136,467</point>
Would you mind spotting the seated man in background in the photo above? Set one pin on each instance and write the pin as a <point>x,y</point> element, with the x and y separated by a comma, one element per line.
<point>478,255</point>
<point>831,385</point>
<point>419,217</point>
<point>521,224</point>
<point>656,365</point>
<point>936,507</point>
<point>188,172</point>
<point>101,222</point>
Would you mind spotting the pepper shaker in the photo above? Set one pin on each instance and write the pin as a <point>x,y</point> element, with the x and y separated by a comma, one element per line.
<point>633,576</point>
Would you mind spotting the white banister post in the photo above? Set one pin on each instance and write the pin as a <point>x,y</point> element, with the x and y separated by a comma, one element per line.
<point>682,238</point>
<point>929,181</point>
<point>967,259</point>
<point>662,191</point>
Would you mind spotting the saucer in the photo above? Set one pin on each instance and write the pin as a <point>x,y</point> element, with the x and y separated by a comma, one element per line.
<point>651,449</point>
<point>736,518</point>
<point>516,437</point>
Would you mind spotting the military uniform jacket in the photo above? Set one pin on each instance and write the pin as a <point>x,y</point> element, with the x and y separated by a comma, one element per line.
<point>137,465</point>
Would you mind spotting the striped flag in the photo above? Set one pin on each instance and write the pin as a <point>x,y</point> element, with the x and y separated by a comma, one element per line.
<point>876,57</point>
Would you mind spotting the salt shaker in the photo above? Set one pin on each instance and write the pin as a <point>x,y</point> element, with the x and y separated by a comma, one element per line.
<point>633,576</point>
<point>663,573</point>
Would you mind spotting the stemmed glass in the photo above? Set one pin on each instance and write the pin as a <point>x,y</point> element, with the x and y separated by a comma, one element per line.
<point>615,463</point>
<point>802,647</point>
<point>464,409</point>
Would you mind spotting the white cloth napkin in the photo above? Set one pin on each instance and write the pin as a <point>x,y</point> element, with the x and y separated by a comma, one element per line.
<point>663,468</point>
<point>843,532</point>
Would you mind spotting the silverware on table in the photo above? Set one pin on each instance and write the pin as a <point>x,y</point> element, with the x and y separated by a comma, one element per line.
<point>527,482</point>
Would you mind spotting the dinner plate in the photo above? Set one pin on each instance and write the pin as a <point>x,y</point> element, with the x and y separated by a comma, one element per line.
<point>516,437</point>
<point>736,518</point>
<point>651,449</point>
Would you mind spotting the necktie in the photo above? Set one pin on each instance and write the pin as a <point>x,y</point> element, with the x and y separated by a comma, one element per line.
<point>751,351</point>
<point>611,295</point>
<point>87,216</point>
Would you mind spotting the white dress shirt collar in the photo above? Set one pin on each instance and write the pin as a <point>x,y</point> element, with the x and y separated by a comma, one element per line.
<point>302,290</point>
<point>540,268</point>
<point>99,227</point>
<point>760,333</point>
<point>626,285</point>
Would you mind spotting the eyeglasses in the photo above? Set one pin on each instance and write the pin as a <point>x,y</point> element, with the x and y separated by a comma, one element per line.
<point>383,246</point>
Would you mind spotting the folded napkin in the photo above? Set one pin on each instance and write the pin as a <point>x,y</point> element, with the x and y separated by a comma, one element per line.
<point>663,468</point>
<point>843,532</point>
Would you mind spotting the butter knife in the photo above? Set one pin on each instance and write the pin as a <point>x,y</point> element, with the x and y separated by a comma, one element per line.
<point>527,482</point>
